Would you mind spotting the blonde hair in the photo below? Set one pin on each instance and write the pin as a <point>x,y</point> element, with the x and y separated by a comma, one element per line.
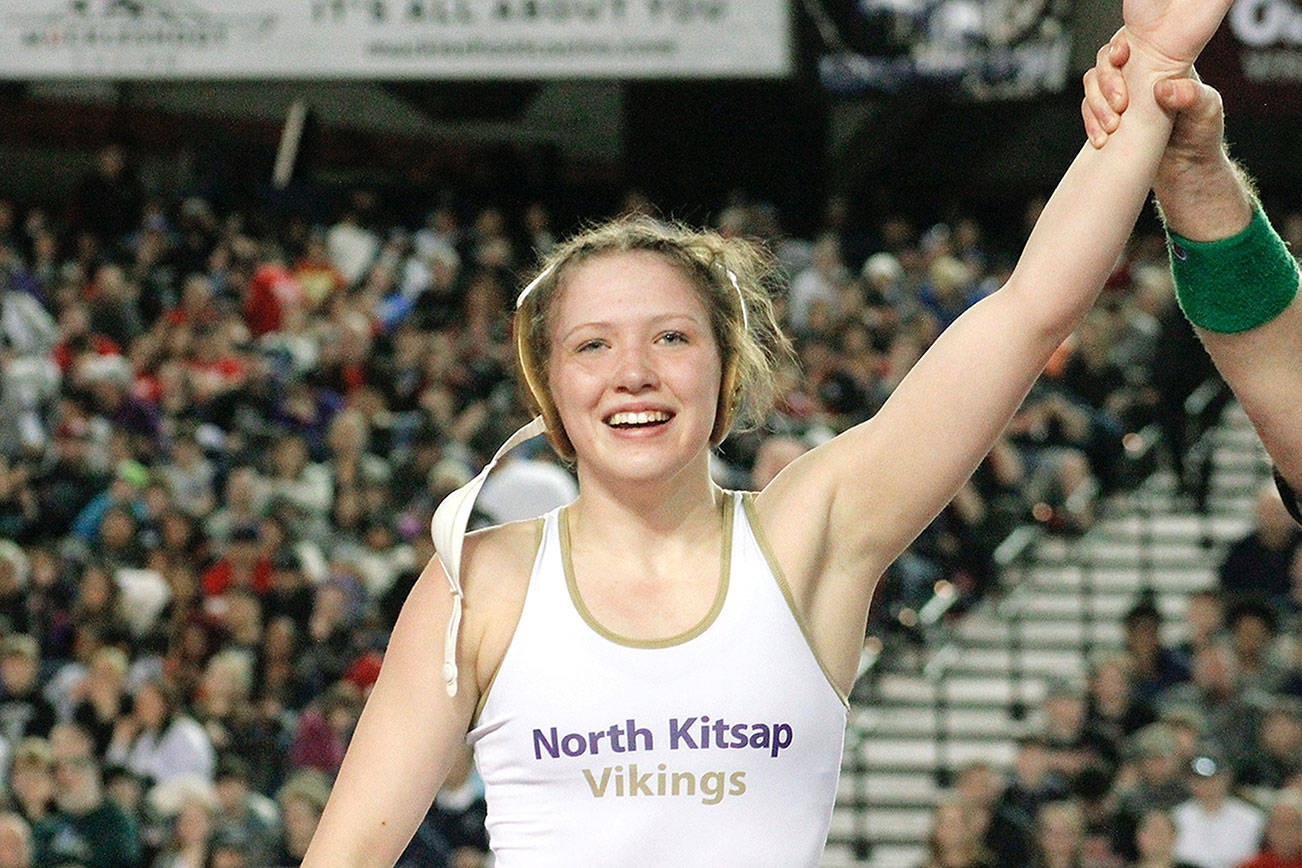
<point>733,277</point>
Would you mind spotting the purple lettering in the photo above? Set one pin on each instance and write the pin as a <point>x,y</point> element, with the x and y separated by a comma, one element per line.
<point>541,744</point>
<point>634,731</point>
<point>678,732</point>
<point>781,738</point>
<point>574,744</point>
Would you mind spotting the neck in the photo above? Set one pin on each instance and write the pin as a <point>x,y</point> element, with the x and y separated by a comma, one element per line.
<point>625,510</point>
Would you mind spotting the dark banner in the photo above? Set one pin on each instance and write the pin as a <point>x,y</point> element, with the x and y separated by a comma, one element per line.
<point>967,49</point>
<point>1255,59</point>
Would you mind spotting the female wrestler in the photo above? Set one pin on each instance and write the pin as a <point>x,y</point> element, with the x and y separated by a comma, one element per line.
<point>656,675</point>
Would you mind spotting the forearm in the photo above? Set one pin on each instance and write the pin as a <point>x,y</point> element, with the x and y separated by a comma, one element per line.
<point>1087,221</point>
<point>1207,198</point>
<point>1204,199</point>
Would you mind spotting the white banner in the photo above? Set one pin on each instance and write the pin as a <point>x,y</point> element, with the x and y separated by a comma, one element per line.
<point>459,39</point>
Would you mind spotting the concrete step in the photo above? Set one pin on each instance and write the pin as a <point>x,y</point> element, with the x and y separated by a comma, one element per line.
<point>888,788</point>
<point>1042,634</point>
<point>989,691</point>
<point>883,855</point>
<point>1181,580</point>
<point>920,720</point>
<point>925,754</point>
<point>882,824</point>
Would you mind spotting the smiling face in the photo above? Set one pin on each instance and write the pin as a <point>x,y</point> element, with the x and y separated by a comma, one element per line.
<point>634,368</point>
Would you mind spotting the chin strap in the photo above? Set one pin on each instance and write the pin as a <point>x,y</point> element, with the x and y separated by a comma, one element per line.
<point>448,528</point>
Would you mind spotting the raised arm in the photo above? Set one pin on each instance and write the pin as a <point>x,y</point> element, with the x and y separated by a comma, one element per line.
<point>868,493</point>
<point>1207,199</point>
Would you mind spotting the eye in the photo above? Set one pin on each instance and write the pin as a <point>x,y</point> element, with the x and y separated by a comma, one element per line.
<point>589,345</point>
<point>673,337</point>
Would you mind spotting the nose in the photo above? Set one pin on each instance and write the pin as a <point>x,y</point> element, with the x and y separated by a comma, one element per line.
<point>635,370</point>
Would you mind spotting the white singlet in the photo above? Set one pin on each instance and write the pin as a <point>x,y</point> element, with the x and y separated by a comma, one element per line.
<point>721,746</point>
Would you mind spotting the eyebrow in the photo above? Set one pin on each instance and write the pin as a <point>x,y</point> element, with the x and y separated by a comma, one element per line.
<point>658,319</point>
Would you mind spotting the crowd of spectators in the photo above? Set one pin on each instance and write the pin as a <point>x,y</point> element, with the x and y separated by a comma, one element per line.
<point>223,432</point>
<point>1169,755</point>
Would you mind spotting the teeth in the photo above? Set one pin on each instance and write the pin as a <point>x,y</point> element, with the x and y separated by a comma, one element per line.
<point>643,418</point>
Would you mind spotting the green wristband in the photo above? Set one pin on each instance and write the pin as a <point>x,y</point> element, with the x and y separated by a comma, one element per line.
<point>1237,283</point>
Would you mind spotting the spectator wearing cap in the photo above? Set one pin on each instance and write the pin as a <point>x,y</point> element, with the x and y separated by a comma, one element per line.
<point>243,814</point>
<point>1158,781</point>
<point>16,849</point>
<point>302,799</point>
<point>1282,846</point>
<point>86,828</point>
<point>159,741</point>
<point>1215,829</point>
<point>31,780</point>
<point>23,710</point>
<point>1232,713</point>
<point>1072,746</point>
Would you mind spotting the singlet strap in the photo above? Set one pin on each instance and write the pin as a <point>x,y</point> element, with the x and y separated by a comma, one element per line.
<point>448,528</point>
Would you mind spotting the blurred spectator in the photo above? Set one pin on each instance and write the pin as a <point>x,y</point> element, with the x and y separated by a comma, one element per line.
<point>108,199</point>
<point>1214,829</point>
<point>23,710</point>
<point>1204,620</point>
<point>1114,710</point>
<point>16,849</point>
<point>1003,831</point>
<point>1059,835</point>
<point>1277,758</point>
<point>1153,667</point>
<point>158,740</point>
<point>1072,745</point>
<point>102,697</point>
<point>301,800</point>
<point>1282,847</point>
<point>324,729</point>
<point>1155,842</point>
<point>243,814</point>
<point>187,806</point>
<point>1253,627</point>
<point>1259,562</point>
<point>86,828</point>
<point>31,780</point>
<point>1156,780</point>
<point>954,841</point>
<point>1232,713</point>
<point>452,833</point>
<point>1034,782</point>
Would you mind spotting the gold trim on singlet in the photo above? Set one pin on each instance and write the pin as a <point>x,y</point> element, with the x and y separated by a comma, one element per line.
<point>631,642</point>
<point>539,524</point>
<point>748,504</point>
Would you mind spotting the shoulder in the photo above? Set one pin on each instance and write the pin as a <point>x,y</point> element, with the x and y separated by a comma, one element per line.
<point>496,565</point>
<point>1292,502</point>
